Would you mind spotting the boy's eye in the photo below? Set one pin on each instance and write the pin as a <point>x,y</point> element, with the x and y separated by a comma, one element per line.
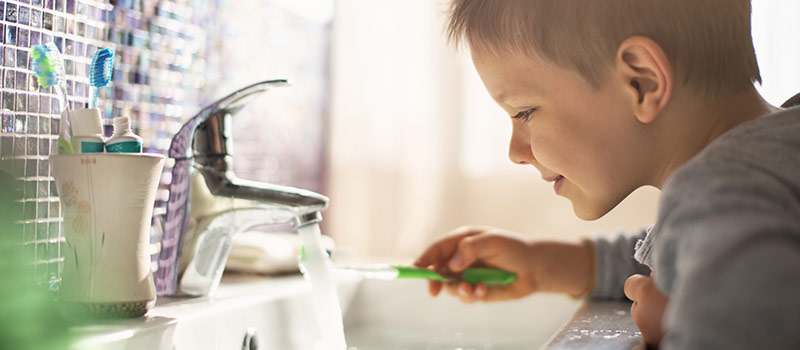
<point>525,115</point>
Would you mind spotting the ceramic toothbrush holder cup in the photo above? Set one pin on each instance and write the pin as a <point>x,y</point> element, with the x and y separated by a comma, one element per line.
<point>107,205</point>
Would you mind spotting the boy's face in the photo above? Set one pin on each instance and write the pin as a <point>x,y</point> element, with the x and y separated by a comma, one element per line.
<point>587,138</point>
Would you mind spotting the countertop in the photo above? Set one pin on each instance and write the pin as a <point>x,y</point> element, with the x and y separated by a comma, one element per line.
<point>599,325</point>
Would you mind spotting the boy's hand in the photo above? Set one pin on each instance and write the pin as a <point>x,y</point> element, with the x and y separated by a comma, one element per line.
<point>540,265</point>
<point>648,306</point>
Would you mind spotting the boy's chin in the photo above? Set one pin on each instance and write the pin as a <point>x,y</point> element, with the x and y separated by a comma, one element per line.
<point>589,211</point>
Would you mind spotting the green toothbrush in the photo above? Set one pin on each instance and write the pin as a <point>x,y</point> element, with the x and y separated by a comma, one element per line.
<point>472,275</point>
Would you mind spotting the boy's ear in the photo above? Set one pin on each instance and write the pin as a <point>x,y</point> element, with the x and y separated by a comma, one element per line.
<point>648,74</point>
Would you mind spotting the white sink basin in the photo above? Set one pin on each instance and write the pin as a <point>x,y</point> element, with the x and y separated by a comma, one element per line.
<point>379,315</point>
<point>394,315</point>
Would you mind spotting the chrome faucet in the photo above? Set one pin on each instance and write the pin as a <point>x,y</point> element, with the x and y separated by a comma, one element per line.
<point>208,204</point>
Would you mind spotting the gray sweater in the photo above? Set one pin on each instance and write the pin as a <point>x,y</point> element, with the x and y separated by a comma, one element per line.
<point>726,246</point>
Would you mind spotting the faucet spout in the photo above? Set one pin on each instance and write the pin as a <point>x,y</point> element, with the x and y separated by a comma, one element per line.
<point>209,204</point>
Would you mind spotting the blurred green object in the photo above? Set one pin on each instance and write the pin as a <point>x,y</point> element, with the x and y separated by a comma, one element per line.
<point>29,317</point>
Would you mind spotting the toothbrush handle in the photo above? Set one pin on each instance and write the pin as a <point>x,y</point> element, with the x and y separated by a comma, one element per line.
<point>94,95</point>
<point>487,276</point>
<point>62,98</point>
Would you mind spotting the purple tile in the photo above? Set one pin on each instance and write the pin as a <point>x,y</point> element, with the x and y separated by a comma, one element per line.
<point>60,26</point>
<point>36,2</point>
<point>44,125</point>
<point>21,80</point>
<point>33,83</point>
<point>44,149</point>
<point>36,18</point>
<point>69,66</point>
<point>22,60</point>
<point>70,6</point>
<point>10,79</point>
<point>44,106</point>
<point>19,124</point>
<point>33,150</point>
<point>91,32</point>
<point>59,5</point>
<point>81,9</point>
<point>32,124</point>
<point>11,35</point>
<point>47,21</point>
<point>7,127</point>
<point>81,90</point>
<point>9,57</point>
<point>7,143</point>
<point>8,100</point>
<point>11,13</point>
<point>24,15</point>
<point>36,38</point>
<point>23,38</point>
<point>70,87</point>
<point>44,165</point>
<point>22,101</point>
<point>19,150</point>
<point>33,107</point>
<point>69,47</point>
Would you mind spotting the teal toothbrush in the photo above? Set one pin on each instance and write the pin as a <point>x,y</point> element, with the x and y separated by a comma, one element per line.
<point>49,68</point>
<point>100,73</point>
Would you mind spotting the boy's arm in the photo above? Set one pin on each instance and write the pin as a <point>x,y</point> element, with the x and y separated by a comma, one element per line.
<point>745,298</point>
<point>614,263</point>
<point>729,254</point>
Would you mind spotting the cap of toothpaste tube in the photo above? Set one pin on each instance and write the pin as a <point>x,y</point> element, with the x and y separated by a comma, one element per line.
<point>85,122</point>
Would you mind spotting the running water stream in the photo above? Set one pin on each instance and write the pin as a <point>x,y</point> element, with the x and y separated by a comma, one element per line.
<point>323,288</point>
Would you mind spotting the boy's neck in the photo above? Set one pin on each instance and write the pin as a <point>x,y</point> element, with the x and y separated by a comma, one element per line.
<point>695,120</point>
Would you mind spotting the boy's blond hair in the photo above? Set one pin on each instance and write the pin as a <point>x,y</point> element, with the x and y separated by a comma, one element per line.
<point>708,42</point>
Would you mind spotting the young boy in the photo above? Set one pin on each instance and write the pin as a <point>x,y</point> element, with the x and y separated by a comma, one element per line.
<point>608,96</point>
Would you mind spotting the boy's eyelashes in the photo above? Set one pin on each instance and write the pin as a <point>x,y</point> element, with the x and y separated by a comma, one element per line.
<point>525,115</point>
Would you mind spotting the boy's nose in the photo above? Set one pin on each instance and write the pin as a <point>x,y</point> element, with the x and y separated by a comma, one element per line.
<point>519,149</point>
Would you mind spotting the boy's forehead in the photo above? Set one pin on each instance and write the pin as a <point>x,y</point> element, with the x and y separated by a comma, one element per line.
<point>507,74</point>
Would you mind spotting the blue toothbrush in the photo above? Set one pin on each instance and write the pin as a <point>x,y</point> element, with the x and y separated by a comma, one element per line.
<point>100,73</point>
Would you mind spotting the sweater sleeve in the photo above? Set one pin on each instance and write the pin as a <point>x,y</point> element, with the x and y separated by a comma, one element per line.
<point>614,263</point>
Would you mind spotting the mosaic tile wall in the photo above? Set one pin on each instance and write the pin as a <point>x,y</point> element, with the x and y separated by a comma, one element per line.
<point>166,55</point>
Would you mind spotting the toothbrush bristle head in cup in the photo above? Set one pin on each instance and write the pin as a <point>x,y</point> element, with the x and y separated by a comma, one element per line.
<point>102,67</point>
<point>48,65</point>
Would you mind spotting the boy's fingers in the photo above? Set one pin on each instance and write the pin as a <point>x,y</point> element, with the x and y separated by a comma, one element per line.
<point>441,251</point>
<point>466,293</point>
<point>473,248</point>
<point>434,288</point>
<point>635,285</point>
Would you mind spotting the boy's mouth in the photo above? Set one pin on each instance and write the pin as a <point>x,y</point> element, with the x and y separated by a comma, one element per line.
<point>557,182</point>
<point>554,178</point>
